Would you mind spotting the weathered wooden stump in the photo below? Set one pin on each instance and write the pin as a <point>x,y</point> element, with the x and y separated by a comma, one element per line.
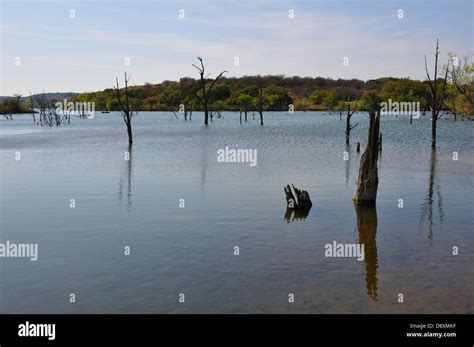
<point>296,198</point>
<point>298,203</point>
<point>368,180</point>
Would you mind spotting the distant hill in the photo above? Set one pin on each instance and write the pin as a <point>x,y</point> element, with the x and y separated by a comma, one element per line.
<point>240,93</point>
<point>48,96</point>
<point>280,93</point>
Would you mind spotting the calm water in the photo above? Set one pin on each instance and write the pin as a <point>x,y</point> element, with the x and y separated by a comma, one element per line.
<point>173,250</point>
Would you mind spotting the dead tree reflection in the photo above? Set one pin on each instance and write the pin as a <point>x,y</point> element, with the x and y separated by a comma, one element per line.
<point>367,228</point>
<point>128,177</point>
<point>434,192</point>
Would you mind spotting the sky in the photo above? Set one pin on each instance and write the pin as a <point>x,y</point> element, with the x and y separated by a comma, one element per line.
<point>44,49</point>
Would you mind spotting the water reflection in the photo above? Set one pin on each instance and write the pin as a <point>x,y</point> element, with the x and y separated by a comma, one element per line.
<point>348,164</point>
<point>434,192</point>
<point>204,159</point>
<point>294,214</point>
<point>128,173</point>
<point>367,228</point>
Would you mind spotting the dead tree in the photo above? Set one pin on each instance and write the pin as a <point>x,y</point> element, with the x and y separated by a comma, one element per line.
<point>187,110</point>
<point>40,100</point>
<point>48,113</point>
<point>348,122</point>
<point>368,180</point>
<point>51,115</point>
<point>32,108</point>
<point>260,102</point>
<point>127,112</point>
<point>205,91</point>
<point>42,106</point>
<point>436,94</point>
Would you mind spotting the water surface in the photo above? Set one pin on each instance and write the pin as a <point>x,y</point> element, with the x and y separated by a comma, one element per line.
<point>190,250</point>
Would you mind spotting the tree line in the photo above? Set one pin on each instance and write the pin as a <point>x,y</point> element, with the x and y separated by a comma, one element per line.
<point>281,93</point>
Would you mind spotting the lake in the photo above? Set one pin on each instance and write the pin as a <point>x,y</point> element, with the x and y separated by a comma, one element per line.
<point>136,203</point>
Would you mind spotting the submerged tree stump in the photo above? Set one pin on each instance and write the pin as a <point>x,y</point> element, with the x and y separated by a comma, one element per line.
<point>298,203</point>
<point>296,198</point>
<point>368,180</point>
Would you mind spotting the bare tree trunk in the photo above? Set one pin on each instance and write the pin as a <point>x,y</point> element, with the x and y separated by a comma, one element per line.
<point>127,113</point>
<point>206,115</point>
<point>32,108</point>
<point>437,96</point>
<point>348,122</point>
<point>368,180</point>
<point>130,135</point>
<point>433,128</point>
<point>348,129</point>
<point>206,92</point>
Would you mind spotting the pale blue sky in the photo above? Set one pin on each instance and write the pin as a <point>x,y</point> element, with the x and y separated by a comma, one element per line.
<point>86,53</point>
